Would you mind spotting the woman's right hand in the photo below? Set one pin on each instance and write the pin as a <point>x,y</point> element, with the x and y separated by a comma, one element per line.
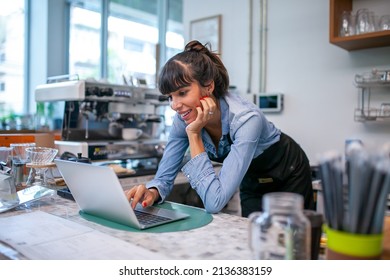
<point>140,194</point>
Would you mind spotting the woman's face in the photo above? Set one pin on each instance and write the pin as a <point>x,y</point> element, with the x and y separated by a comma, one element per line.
<point>185,100</point>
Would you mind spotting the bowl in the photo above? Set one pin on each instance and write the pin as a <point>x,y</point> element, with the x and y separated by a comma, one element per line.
<point>131,133</point>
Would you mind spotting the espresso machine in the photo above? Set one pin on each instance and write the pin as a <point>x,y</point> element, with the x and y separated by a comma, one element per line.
<point>94,115</point>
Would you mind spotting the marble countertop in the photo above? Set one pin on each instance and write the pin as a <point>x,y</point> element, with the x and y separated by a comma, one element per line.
<point>226,237</point>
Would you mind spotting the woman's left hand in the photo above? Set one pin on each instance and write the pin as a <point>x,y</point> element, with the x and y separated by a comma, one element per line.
<point>205,114</point>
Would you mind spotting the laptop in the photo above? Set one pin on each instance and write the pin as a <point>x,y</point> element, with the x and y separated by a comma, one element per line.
<point>98,192</point>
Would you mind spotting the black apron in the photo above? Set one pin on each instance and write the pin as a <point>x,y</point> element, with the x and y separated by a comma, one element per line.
<point>283,167</point>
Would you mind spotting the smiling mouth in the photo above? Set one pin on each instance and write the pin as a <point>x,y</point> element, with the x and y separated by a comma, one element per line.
<point>184,115</point>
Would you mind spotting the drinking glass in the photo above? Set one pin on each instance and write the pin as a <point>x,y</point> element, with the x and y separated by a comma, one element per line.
<point>384,22</point>
<point>372,22</point>
<point>347,24</point>
<point>362,21</point>
<point>19,151</point>
<point>19,160</point>
<point>5,156</point>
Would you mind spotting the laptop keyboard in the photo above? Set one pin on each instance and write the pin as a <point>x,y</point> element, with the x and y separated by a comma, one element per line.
<point>149,219</point>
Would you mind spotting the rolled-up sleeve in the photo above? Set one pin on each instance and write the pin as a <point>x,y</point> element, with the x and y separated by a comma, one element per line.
<point>198,169</point>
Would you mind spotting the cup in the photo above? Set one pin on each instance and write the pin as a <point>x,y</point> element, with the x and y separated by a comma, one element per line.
<point>385,110</point>
<point>131,133</point>
<point>343,245</point>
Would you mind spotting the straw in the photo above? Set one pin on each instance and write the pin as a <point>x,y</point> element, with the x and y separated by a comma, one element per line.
<point>355,193</point>
<point>326,174</point>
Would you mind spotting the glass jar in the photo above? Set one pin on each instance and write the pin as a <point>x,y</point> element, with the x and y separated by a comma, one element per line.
<point>281,231</point>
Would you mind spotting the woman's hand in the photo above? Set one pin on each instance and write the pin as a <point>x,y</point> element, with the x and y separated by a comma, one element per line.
<point>140,194</point>
<point>205,113</point>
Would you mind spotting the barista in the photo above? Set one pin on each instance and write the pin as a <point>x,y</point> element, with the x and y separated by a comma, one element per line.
<point>221,126</point>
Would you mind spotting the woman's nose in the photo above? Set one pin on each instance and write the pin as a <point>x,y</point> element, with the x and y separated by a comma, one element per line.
<point>175,105</point>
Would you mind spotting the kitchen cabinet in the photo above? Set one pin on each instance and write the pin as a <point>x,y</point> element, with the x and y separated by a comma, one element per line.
<point>354,42</point>
<point>370,109</point>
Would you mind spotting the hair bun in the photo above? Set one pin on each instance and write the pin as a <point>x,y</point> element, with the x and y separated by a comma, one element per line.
<point>195,46</point>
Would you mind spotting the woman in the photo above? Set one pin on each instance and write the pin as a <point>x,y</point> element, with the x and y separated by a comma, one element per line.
<point>220,126</point>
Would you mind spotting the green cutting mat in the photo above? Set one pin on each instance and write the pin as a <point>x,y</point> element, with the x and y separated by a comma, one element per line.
<point>198,218</point>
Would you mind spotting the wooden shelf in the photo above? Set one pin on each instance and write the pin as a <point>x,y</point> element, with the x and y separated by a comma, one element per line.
<point>356,42</point>
<point>363,41</point>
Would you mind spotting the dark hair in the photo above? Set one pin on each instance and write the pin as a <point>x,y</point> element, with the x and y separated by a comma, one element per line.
<point>195,63</point>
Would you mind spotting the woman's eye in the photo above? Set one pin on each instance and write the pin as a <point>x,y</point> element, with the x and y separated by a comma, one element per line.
<point>182,93</point>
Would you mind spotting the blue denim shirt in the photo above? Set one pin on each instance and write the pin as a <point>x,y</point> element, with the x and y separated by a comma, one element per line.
<point>250,133</point>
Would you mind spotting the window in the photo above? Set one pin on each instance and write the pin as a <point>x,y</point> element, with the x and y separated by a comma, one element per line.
<point>132,41</point>
<point>128,41</point>
<point>175,30</point>
<point>84,39</point>
<point>132,45</point>
<point>12,20</point>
